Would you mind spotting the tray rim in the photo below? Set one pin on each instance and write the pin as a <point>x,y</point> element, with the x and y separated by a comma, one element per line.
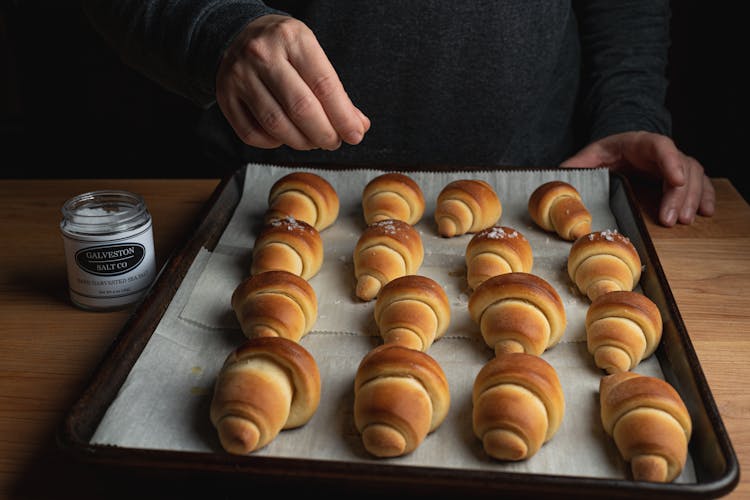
<point>78,425</point>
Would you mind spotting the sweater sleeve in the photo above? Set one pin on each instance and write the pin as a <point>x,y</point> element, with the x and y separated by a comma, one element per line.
<point>625,50</point>
<point>177,43</point>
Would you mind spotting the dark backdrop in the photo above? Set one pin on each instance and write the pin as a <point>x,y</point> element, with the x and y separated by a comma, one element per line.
<point>70,108</point>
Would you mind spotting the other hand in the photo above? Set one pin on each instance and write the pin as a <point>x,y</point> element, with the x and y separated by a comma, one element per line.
<point>686,190</point>
<point>275,86</point>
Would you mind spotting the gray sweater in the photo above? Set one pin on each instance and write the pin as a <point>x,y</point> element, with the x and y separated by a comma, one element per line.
<point>487,82</point>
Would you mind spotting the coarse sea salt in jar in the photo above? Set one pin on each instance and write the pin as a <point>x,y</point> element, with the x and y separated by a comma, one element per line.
<point>109,249</point>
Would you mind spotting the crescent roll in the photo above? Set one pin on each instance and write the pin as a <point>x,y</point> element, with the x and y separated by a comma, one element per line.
<point>393,195</point>
<point>466,206</point>
<point>412,311</point>
<point>288,245</point>
<point>400,396</point>
<point>556,206</point>
<point>265,385</point>
<point>275,304</point>
<point>622,329</point>
<point>649,423</point>
<point>517,405</point>
<point>305,196</point>
<point>386,250</point>
<point>603,261</point>
<point>518,312</point>
<point>497,250</point>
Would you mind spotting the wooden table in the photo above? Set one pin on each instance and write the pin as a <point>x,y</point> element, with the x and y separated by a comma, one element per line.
<point>49,349</point>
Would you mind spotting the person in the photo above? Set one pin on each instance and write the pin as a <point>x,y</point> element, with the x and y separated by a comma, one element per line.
<point>532,83</point>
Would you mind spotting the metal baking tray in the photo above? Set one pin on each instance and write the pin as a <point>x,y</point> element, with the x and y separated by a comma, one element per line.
<point>714,460</point>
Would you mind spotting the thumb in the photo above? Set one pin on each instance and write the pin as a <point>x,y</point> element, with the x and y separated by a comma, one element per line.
<point>588,157</point>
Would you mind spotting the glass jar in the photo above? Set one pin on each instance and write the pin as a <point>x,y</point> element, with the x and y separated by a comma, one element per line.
<point>109,249</point>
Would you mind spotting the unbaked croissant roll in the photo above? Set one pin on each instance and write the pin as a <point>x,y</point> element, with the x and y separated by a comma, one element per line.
<point>400,396</point>
<point>556,206</point>
<point>497,250</point>
<point>518,312</point>
<point>649,423</point>
<point>393,195</point>
<point>275,304</point>
<point>265,385</point>
<point>603,261</point>
<point>622,329</point>
<point>412,311</point>
<point>518,405</point>
<point>305,196</point>
<point>288,245</point>
<point>386,250</point>
<point>466,206</point>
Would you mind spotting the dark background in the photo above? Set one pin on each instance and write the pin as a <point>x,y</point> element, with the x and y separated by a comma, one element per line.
<point>70,108</point>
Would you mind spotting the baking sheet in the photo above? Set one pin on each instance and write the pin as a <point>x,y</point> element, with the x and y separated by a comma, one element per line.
<point>163,403</point>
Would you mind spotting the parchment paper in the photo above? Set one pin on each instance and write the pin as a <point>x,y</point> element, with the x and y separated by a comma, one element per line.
<point>164,403</point>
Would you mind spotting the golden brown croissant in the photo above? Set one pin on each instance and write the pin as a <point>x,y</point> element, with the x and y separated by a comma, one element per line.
<point>466,206</point>
<point>305,196</point>
<point>288,245</point>
<point>497,250</point>
<point>518,312</point>
<point>518,405</point>
<point>622,329</point>
<point>265,385</point>
<point>649,422</point>
<point>275,304</point>
<point>386,250</point>
<point>603,261</point>
<point>556,206</point>
<point>393,195</point>
<point>400,396</point>
<point>412,311</point>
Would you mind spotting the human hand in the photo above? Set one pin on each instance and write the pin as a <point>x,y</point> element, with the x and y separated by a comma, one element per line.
<point>275,86</point>
<point>686,190</point>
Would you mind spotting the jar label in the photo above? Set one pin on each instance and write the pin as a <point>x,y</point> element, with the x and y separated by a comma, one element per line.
<point>110,260</point>
<point>113,273</point>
